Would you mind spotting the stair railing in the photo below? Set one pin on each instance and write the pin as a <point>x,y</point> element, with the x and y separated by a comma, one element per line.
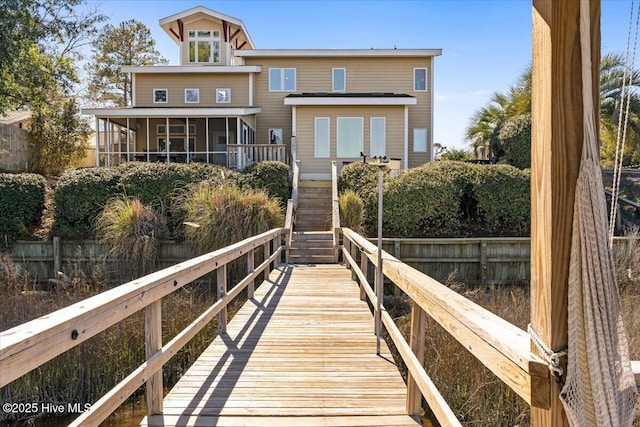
<point>292,207</point>
<point>335,211</point>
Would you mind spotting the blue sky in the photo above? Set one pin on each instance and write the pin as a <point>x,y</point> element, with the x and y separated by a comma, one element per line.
<point>486,43</point>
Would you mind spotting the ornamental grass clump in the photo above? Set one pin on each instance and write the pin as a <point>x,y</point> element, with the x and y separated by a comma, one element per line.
<point>217,216</point>
<point>132,231</point>
<point>351,211</point>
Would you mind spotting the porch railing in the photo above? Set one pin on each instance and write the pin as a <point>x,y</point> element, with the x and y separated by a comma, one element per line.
<point>241,155</point>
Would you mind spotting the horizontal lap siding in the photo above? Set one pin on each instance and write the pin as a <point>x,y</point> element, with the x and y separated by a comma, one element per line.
<point>177,83</point>
<point>305,140</point>
<point>387,74</point>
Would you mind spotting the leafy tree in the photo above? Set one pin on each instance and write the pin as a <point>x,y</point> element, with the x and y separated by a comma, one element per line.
<point>130,43</point>
<point>39,42</point>
<point>457,154</point>
<point>59,137</point>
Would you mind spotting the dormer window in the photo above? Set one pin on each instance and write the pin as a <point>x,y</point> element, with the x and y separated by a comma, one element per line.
<point>204,46</point>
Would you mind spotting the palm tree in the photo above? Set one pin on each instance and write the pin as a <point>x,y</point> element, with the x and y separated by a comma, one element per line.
<point>612,75</point>
<point>487,121</point>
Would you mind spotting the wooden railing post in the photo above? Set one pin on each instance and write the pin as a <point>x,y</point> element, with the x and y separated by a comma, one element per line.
<point>153,343</point>
<point>267,253</point>
<point>557,134</point>
<point>417,343</point>
<point>352,252</point>
<point>347,246</point>
<point>222,291</point>
<point>364,267</point>
<point>251,265</point>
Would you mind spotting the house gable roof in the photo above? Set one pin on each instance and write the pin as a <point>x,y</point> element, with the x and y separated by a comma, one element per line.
<point>14,116</point>
<point>173,24</point>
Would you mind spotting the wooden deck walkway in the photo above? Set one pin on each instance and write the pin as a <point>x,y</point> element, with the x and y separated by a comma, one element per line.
<point>301,353</point>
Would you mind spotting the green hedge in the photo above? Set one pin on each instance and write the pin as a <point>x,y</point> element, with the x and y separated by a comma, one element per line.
<point>273,177</point>
<point>503,193</point>
<point>445,198</point>
<point>81,194</point>
<point>362,178</point>
<point>21,203</point>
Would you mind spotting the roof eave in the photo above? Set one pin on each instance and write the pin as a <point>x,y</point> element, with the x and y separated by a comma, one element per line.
<point>339,52</point>
<point>316,100</point>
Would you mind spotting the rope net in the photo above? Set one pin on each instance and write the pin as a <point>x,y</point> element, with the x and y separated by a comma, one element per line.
<point>600,388</point>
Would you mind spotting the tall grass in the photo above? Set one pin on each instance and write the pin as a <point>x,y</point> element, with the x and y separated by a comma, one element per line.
<point>132,231</point>
<point>217,216</point>
<point>351,211</point>
<point>89,370</point>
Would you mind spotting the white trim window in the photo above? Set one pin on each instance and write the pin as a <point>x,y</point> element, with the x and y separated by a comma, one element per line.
<point>339,79</point>
<point>419,140</point>
<point>204,46</point>
<point>223,95</point>
<point>377,136</point>
<point>192,96</point>
<point>419,79</point>
<point>322,144</point>
<point>349,137</point>
<point>282,79</point>
<point>160,96</point>
<point>275,136</point>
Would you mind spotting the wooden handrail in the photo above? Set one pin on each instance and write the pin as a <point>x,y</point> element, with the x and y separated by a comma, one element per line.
<point>335,210</point>
<point>292,205</point>
<point>499,345</point>
<point>623,200</point>
<point>27,346</point>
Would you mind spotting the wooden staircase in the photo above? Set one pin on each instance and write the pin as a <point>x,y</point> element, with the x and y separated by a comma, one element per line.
<point>312,240</point>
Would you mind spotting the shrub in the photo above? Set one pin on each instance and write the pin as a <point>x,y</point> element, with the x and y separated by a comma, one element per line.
<point>351,211</point>
<point>157,183</point>
<point>21,203</point>
<point>362,178</point>
<point>81,195</point>
<point>218,216</point>
<point>423,201</point>
<point>359,177</point>
<point>132,231</point>
<point>503,193</point>
<point>516,141</point>
<point>273,177</point>
<point>428,200</point>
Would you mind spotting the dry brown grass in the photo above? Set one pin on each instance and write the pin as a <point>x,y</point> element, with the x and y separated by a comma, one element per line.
<point>475,394</point>
<point>88,371</point>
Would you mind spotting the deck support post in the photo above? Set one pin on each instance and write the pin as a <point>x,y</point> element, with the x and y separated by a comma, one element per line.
<point>250,269</point>
<point>222,291</point>
<point>347,245</point>
<point>364,267</point>
<point>557,137</point>
<point>417,343</point>
<point>153,343</point>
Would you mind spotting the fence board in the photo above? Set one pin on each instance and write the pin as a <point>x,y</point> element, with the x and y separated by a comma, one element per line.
<point>14,148</point>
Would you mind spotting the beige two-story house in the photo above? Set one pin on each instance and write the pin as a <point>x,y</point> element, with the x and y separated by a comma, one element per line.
<point>231,104</point>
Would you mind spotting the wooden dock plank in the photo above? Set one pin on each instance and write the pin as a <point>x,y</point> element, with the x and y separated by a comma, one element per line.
<point>302,352</point>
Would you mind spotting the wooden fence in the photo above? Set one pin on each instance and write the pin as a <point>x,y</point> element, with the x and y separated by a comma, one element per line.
<point>491,260</point>
<point>14,148</point>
